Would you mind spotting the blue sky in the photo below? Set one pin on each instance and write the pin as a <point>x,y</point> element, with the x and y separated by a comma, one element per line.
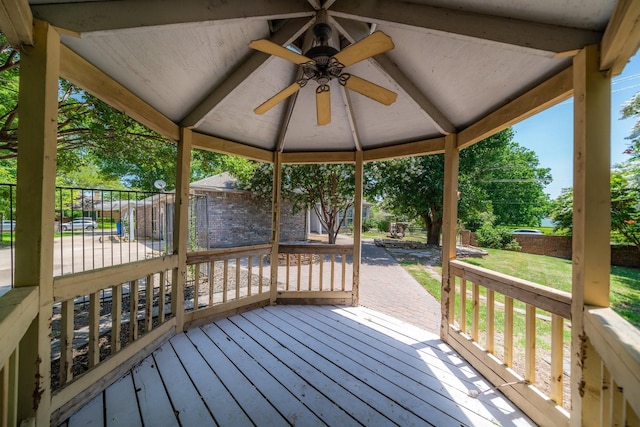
<point>550,133</point>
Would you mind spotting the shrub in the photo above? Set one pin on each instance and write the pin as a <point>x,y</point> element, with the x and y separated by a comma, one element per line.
<point>489,236</point>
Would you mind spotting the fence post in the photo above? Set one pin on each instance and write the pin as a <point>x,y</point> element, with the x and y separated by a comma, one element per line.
<point>449,225</point>
<point>275,225</point>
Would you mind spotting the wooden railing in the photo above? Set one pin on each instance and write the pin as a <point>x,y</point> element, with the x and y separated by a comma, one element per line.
<point>519,318</point>
<point>18,309</point>
<point>315,273</point>
<point>102,321</point>
<point>223,281</point>
<point>612,389</point>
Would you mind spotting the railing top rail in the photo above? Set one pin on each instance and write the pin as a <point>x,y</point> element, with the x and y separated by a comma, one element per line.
<point>315,248</point>
<point>549,299</point>
<point>227,253</point>
<point>18,308</point>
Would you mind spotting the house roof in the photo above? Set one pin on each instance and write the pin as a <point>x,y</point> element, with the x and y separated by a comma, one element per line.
<point>455,62</point>
<point>220,182</point>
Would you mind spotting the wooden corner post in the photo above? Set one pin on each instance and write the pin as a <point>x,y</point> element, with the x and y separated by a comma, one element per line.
<point>275,225</point>
<point>449,228</point>
<point>35,204</point>
<point>181,226</point>
<point>591,224</point>
<point>357,227</point>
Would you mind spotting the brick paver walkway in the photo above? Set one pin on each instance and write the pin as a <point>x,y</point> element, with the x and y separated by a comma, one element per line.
<point>387,287</point>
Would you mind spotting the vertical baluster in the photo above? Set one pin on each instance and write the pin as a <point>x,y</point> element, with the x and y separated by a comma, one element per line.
<point>321,273</point>
<point>490,320</point>
<point>617,405</point>
<point>237,278</point>
<point>196,285</point>
<point>116,318</point>
<point>148,307</point>
<point>631,417</point>
<point>475,322</point>
<point>557,344</point>
<point>287,269</point>
<point>344,270</point>
<point>249,275</point>
<point>9,391</point>
<point>530,344</point>
<point>133,310</point>
<point>508,331</point>
<point>94,329</point>
<point>260,274</point>
<point>161,295</point>
<point>606,396</point>
<point>299,272</point>
<point>310,270</point>
<point>463,305</point>
<point>225,280</point>
<point>333,268</point>
<point>211,281</point>
<point>66,342</point>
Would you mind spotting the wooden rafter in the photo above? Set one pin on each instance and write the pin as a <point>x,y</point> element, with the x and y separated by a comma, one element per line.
<point>417,148</point>
<point>350,118</point>
<point>284,36</point>
<point>622,37</point>
<point>530,35</point>
<point>211,143</point>
<point>108,15</point>
<point>16,22</point>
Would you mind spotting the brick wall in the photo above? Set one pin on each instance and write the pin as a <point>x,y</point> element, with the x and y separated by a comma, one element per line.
<point>239,219</point>
<point>560,247</point>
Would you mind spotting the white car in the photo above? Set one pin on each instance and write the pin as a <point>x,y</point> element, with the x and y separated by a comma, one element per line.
<point>79,224</point>
<point>8,225</point>
<point>526,231</point>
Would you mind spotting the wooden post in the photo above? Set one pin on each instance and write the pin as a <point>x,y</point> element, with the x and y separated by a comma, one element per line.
<point>275,226</point>
<point>449,225</point>
<point>181,226</point>
<point>38,100</point>
<point>591,220</point>
<point>357,229</point>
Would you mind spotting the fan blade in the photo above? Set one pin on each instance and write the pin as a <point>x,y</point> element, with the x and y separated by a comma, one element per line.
<point>368,89</point>
<point>372,45</point>
<point>323,105</point>
<point>279,97</point>
<point>272,48</point>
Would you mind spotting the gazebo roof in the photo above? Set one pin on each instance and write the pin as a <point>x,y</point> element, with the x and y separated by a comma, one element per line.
<point>454,63</point>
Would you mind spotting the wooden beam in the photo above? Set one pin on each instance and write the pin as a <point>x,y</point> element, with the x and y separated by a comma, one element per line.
<point>449,232</point>
<point>621,39</point>
<point>591,253</point>
<point>346,99</point>
<point>313,157</point>
<point>417,148</point>
<point>276,201</point>
<point>288,33</point>
<point>83,74</point>
<point>16,22</point>
<point>219,145</point>
<point>107,15</point>
<point>357,228</point>
<point>516,32</point>
<point>355,31</point>
<point>541,97</point>
<point>35,204</point>
<point>18,308</point>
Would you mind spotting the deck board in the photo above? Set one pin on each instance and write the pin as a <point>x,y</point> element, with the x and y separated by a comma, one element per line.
<point>303,365</point>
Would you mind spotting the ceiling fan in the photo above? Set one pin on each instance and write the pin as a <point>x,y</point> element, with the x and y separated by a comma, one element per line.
<point>323,63</point>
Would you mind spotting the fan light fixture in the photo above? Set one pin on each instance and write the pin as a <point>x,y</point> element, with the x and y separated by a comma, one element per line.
<point>322,63</point>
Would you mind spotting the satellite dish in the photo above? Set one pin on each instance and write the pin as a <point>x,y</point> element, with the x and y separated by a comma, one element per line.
<point>160,184</point>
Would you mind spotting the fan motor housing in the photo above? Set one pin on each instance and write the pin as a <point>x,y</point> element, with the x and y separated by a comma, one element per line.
<point>325,68</point>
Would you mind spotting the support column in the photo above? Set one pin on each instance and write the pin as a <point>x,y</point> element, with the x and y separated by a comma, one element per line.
<point>275,225</point>
<point>357,227</point>
<point>591,223</point>
<point>181,226</point>
<point>449,228</point>
<point>35,205</point>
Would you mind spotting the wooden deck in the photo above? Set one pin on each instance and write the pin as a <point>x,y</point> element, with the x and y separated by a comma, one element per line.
<point>304,366</point>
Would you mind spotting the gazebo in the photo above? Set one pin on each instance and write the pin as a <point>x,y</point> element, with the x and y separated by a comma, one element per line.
<point>423,77</point>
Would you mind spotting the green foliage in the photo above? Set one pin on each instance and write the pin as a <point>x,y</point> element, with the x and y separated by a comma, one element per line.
<point>631,108</point>
<point>561,212</point>
<point>496,237</point>
<point>328,189</point>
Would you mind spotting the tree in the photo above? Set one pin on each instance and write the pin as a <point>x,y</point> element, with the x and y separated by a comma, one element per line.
<point>327,189</point>
<point>631,108</point>
<point>497,176</point>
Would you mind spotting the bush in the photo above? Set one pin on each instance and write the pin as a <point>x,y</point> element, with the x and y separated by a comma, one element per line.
<point>383,225</point>
<point>489,236</point>
<point>368,224</point>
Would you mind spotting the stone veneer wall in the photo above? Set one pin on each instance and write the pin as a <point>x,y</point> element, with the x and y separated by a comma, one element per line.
<point>560,247</point>
<point>238,219</point>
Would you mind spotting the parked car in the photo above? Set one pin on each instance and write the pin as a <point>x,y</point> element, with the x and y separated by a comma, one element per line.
<point>8,225</point>
<point>79,224</point>
<point>526,231</point>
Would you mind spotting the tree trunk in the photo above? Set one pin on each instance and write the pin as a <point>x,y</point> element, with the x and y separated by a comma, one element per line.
<point>434,227</point>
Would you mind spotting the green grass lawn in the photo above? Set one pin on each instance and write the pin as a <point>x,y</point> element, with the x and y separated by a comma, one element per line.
<point>553,272</point>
